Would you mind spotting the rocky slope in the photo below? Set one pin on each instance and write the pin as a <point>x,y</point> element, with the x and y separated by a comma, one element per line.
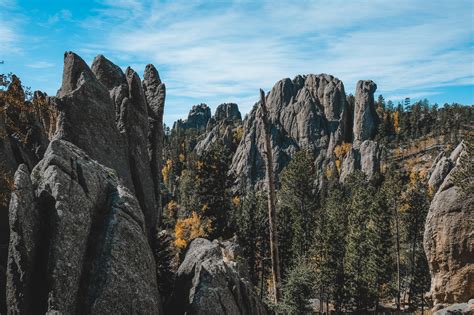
<point>449,234</point>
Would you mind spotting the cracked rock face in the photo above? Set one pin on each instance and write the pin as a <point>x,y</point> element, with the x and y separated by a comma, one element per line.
<point>81,224</point>
<point>308,112</point>
<point>211,281</point>
<point>78,242</point>
<point>449,238</point>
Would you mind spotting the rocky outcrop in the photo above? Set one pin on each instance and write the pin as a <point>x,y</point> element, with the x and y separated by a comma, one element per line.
<point>87,117</point>
<point>211,280</point>
<point>365,157</point>
<point>79,243</point>
<point>227,111</point>
<point>365,116</point>
<point>309,112</point>
<point>155,93</point>
<point>138,118</point>
<point>198,118</point>
<point>225,126</point>
<point>457,309</point>
<point>449,237</point>
<point>82,225</point>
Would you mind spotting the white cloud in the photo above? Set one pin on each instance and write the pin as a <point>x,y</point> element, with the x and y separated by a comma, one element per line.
<point>41,65</point>
<point>237,50</point>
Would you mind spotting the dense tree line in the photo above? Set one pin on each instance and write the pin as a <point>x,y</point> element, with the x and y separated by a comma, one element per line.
<point>352,246</point>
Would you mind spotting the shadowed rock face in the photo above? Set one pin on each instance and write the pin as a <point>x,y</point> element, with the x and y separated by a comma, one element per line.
<point>78,241</point>
<point>155,93</point>
<point>211,281</point>
<point>81,225</point>
<point>87,117</point>
<point>139,117</point>
<point>448,238</point>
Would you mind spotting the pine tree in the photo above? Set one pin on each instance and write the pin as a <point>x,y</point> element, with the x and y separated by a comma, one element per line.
<point>416,209</point>
<point>331,272</point>
<point>251,227</point>
<point>213,189</point>
<point>391,190</point>
<point>359,268</point>
<point>298,288</point>
<point>298,201</point>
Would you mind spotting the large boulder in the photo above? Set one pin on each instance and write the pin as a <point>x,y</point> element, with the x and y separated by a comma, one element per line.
<point>449,240</point>
<point>365,116</point>
<point>211,280</point>
<point>79,243</point>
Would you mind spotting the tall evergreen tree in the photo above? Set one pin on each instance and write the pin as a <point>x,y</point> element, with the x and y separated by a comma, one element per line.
<point>298,200</point>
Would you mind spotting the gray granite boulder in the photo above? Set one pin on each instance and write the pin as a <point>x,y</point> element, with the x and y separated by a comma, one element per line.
<point>79,243</point>
<point>211,280</point>
<point>449,241</point>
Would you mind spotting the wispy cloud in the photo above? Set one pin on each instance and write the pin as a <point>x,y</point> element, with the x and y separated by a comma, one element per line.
<point>41,65</point>
<point>225,51</point>
<point>214,53</point>
<point>61,16</point>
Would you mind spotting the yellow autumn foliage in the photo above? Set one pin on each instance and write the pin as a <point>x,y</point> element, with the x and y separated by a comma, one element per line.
<point>236,200</point>
<point>189,228</point>
<point>165,171</point>
<point>396,125</point>
<point>172,208</point>
<point>238,134</point>
<point>341,150</point>
<point>182,157</point>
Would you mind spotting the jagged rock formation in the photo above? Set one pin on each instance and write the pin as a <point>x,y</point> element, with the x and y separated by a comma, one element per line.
<point>87,117</point>
<point>449,236</point>
<point>155,93</point>
<point>227,111</point>
<point>365,116</point>
<point>212,281</point>
<point>224,126</point>
<point>135,114</point>
<point>83,226</point>
<point>72,230</point>
<point>309,112</point>
<point>198,118</point>
<point>366,157</point>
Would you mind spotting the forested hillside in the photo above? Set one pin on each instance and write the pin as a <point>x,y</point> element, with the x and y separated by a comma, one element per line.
<point>352,244</point>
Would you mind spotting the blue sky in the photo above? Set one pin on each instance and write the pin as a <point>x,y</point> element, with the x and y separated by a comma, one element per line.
<point>224,51</point>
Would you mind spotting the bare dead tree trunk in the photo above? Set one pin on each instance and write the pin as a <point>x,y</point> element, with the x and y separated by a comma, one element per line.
<point>271,202</point>
<point>398,257</point>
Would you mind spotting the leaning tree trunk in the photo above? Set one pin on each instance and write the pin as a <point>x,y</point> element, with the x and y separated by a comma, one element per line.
<point>271,202</point>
